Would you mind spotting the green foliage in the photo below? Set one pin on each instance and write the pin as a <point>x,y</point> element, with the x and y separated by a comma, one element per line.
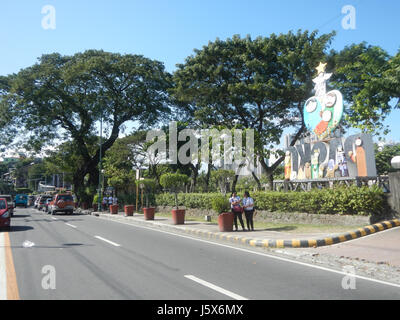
<point>23,191</point>
<point>173,181</point>
<point>220,204</point>
<point>344,200</point>
<point>251,83</point>
<point>96,198</point>
<point>62,98</point>
<point>149,184</point>
<point>384,157</point>
<point>361,75</point>
<point>221,178</point>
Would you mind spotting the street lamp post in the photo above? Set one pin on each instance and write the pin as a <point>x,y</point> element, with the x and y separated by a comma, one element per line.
<point>100,164</point>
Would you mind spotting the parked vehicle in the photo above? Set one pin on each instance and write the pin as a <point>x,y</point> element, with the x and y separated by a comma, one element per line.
<point>46,205</point>
<point>5,216</point>
<point>21,200</point>
<point>31,200</point>
<point>42,201</point>
<point>62,203</point>
<point>37,200</point>
<point>10,203</point>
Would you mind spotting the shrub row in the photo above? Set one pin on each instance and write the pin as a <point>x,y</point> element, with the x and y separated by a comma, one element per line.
<point>343,200</point>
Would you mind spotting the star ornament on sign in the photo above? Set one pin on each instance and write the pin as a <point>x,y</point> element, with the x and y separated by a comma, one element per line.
<point>321,67</point>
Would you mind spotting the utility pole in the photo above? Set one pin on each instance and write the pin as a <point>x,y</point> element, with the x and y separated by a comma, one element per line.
<point>100,164</point>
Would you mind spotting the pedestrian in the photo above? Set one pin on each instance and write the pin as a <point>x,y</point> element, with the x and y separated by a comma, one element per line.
<point>104,203</point>
<point>115,200</point>
<point>237,210</point>
<point>248,206</point>
<point>110,201</point>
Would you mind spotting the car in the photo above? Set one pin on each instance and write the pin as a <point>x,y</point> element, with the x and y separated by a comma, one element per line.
<point>5,215</point>
<point>36,202</point>
<point>21,200</point>
<point>62,202</point>
<point>42,201</point>
<point>10,203</point>
<point>31,200</point>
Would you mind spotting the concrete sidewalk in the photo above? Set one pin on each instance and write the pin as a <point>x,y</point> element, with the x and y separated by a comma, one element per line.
<point>258,238</point>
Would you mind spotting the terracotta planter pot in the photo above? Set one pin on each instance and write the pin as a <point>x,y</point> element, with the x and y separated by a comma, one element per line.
<point>129,210</point>
<point>178,216</point>
<point>95,207</point>
<point>84,205</point>
<point>114,209</point>
<point>149,213</point>
<point>225,222</point>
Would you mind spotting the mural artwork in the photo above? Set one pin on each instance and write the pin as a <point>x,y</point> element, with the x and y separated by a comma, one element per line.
<point>325,153</point>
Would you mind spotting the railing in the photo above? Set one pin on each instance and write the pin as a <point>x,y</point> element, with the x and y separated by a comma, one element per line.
<point>306,185</point>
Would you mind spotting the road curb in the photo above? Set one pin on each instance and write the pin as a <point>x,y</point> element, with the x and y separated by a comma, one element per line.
<point>263,243</point>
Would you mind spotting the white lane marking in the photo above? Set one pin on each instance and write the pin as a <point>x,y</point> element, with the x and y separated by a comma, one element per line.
<point>54,218</point>
<point>71,225</point>
<point>108,241</point>
<point>3,275</point>
<point>259,253</point>
<point>216,288</point>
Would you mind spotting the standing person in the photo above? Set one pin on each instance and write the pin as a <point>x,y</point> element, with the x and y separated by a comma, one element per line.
<point>110,201</point>
<point>236,210</point>
<point>115,200</point>
<point>248,206</point>
<point>104,203</point>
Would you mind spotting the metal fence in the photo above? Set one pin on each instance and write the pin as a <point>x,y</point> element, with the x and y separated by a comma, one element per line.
<point>306,185</point>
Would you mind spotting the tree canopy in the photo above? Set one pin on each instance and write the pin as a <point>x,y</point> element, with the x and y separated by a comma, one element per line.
<point>64,97</point>
<point>260,84</point>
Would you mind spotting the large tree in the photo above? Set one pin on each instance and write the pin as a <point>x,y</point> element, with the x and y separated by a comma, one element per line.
<point>363,74</point>
<point>260,84</point>
<point>263,84</point>
<point>64,97</point>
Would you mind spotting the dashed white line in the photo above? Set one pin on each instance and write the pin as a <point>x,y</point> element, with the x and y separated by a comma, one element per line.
<point>71,225</point>
<point>108,241</point>
<point>54,218</point>
<point>258,253</point>
<point>216,288</point>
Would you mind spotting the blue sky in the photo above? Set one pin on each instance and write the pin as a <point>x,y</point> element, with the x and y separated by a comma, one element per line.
<point>169,30</point>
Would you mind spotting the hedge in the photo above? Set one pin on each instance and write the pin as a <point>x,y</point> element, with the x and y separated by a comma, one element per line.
<point>341,200</point>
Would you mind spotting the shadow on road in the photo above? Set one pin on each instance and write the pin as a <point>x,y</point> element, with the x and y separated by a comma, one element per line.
<point>20,216</point>
<point>286,228</point>
<point>20,228</point>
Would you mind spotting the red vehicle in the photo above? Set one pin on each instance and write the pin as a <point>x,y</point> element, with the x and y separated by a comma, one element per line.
<point>61,203</point>
<point>5,215</point>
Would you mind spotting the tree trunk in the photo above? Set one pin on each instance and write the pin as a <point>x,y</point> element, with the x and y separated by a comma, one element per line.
<point>234,183</point>
<point>270,170</point>
<point>208,176</point>
<point>257,180</point>
<point>195,174</point>
<point>79,185</point>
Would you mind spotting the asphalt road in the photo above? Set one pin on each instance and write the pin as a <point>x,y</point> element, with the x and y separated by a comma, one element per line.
<point>101,259</point>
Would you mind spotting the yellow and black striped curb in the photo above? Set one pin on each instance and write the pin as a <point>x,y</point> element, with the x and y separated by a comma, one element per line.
<point>295,243</point>
<point>270,243</point>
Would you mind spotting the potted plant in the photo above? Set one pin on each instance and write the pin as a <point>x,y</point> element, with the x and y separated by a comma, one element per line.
<point>95,202</point>
<point>114,208</point>
<point>147,185</point>
<point>221,205</point>
<point>175,182</point>
<point>128,209</point>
